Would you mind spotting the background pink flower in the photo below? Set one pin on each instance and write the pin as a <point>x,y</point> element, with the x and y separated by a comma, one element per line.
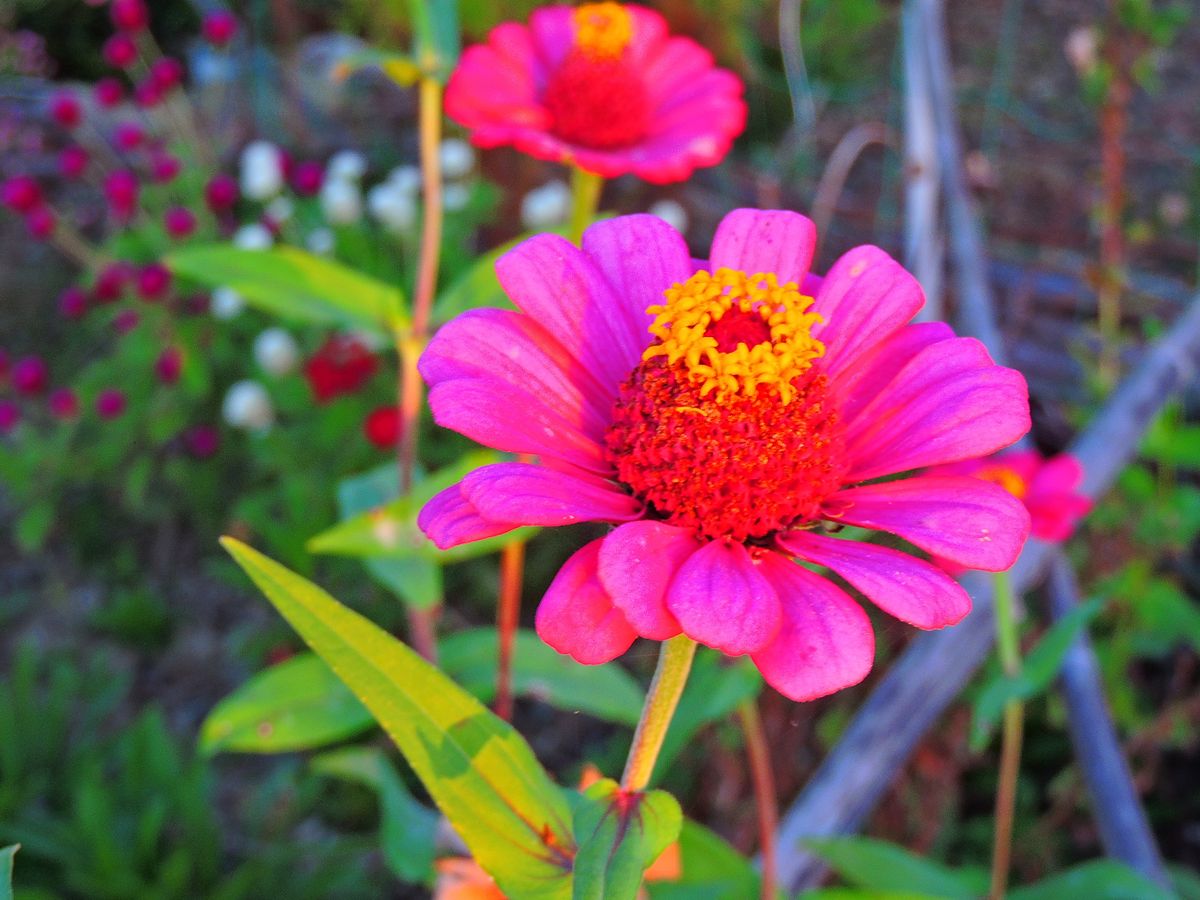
<point>723,447</point>
<point>603,86</point>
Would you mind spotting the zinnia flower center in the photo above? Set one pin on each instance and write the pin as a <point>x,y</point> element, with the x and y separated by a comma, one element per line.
<point>595,98</point>
<point>727,427</point>
<point>1006,478</point>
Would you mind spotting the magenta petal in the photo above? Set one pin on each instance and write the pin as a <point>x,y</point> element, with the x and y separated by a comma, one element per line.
<point>966,520</point>
<point>866,298</point>
<point>1060,475</point>
<point>722,599</point>
<point>494,84</point>
<point>765,241</point>
<point>825,642</point>
<point>862,382</point>
<point>535,495</point>
<point>449,519</point>
<point>577,617</point>
<point>903,586</point>
<point>637,563</point>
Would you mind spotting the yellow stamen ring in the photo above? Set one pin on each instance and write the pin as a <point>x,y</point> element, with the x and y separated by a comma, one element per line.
<point>602,30</point>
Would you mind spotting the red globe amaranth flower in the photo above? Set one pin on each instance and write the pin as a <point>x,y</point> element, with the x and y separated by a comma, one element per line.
<point>180,222</point>
<point>110,403</point>
<point>121,189</point>
<point>126,320</point>
<point>342,365</point>
<point>73,161</point>
<point>169,365</point>
<point>601,85</point>
<point>307,178</point>
<point>727,416</point>
<point>108,92</point>
<point>194,305</point>
<point>66,110</point>
<point>221,193</point>
<point>120,51</point>
<point>63,404</point>
<point>219,27</point>
<point>202,441</point>
<point>41,223</point>
<point>129,15</point>
<point>382,427</point>
<point>21,194</point>
<point>128,136</point>
<point>73,303</point>
<point>167,73</point>
<point>111,282</point>
<point>147,94</point>
<point>153,282</point>
<point>10,416</point>
<point>5,365</point>
<point>29,375</point>
<point>165,168</point>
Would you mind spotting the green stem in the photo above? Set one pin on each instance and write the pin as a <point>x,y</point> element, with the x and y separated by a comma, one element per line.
<point>585,191</point>
<point>674,664</point>
<point>1008,647</point>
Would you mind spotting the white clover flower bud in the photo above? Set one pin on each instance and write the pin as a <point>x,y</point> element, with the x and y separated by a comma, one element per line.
<point>280,210</point>
<point>341,201</point>
<point>320,241</point>
<point>276,352</point>
<point>392,206</point>
<point>226,304</point>
<point>457,158</point>
<point>255,236</point>
<point>672,213</point>
<point>455,197</point>
<point>346,165</point>
<point>247,405</point>
<point>545,206</point>
<point>262,170</point>
<point>405,178</point>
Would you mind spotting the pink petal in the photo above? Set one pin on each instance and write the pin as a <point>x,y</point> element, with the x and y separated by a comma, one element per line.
<point>577,617</point>
<point>637,563</point>
<point>551,280</point>
<point>553,30</point>
<point>535,495</point>
<point>768,241</point>
<point>449,519</point>
<point>649,34</point>
<point>1056,516</point>
<point>901,585</point>
<point>496,83</point>
<point>862,382</point>
<point>966,520</point>
<point>1061,475</point>
<point>949,403</point>
<point>722,599</point>
<point>825,642</point>
<point>866,298</point>
<point>678,63</point>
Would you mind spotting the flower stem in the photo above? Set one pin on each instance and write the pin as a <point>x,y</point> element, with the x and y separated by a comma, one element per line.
<point>763,777</point>
<point>512,567</point>
<point>585,191</point>
<point>1008,648</point>
<point>674,664</point>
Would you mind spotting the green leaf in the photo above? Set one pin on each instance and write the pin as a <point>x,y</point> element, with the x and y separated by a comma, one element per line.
<point>435,24</point>
<point>1037,671</point>
<point>33,526</point>
<point>479,771</point>
<point>399,67</point>
<point>606,691</point>
<point>6,871</point>
<point>407,829</point>
<point>619,835</point>
<point>710,869</point>
<point>298,704</point>
<point>295,285</point>
<point>1100,879</point>
<point>845,893</point>
<point>390,531</point>
<point>476,288</point>
<point>880,866</point>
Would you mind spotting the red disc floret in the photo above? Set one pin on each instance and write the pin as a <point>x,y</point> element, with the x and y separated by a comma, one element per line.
<point>737,327</point>
<point>382,427</point>
<point>601,103</point>
<point>742,469</point>
<point>342,365</point>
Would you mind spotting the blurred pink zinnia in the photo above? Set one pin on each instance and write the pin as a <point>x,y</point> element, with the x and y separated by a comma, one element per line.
<point>723,418</point>
<point>602,85</point>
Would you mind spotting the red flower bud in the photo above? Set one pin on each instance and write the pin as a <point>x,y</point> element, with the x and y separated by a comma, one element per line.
<point>29,375</point>
<point>153,281</point>
<point>110,283</point>
<point>219,27</point>
<point>65,109</point>
<point>129,15</point>
<point>180,222</point>
<point>165,168</point>
<point>108,92</point>
<point>21,194</point>
<point>72,303</point>
<point>167,73</point>
<point>72,161</point>
<point>41,223</point>
<point>126,320</point>
<point>63,404</point>
<point>202,441</point>
<point>382,427</point>
<point>307,178</point>
<point>110,403</point>
<point>169,365</point>
<point>10,416</point>
<point>147,93</point>
<point>221,193</point>
<point>128,136</point>
<point>120,51</point>
<point>121,189</point>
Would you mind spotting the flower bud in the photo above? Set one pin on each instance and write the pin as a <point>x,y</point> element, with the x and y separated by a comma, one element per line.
<point>219,27</point>
<point>262,170</point>
<point>247,405</point>
<point>180,222</point>
<point>546,206</point>
<point>108,92</point>
<point>382,427</point>
<point>221,193</point>
<point>457,158</point>
<point>73,303</point>
<point>121,189</point>
<point>169,365</point>
<point>153,281</point>
<point>202,441</point>
<point>307,178</point>
<point>128,136</point>
<point>110,403</point>
<point>276,352</point>
<point>63,403</point>
<point>341,201</point>
<point>110,283</point>
<point>346,165</point>
<point>254,236</point>
<point>21,194</point>
<point>65,109</point>
<point>10,416</point>
<point>128,15</point>
<point>166,73</point>
<point>29,375</point>
<point>41,223</point>
<point>125,321</point>
<point>120,51</point>
<point>226,304</point>
<point>72,161</point>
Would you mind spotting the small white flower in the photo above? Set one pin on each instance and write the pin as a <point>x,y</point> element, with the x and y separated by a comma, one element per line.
<point>672,213</point>
<point>405,178</point>
<point>1082,48</point>
<point>255,236</point>
<point>320,241</point>
<point>226,304</point>
<point>393,206</point>
<point>455,196</point>
<point>457,158</point>
<point>276,352</point>
<point>262,170</point>
<point>346,165</point>
<point>547,205</point>
<point>247,405</point>
<point>280,210</point>
<point>341,201</point>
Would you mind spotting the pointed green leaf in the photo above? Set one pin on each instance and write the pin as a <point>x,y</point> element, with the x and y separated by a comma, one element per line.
<point>6,870</point>
<point>477,768</point>
<point>881,866</point>
<point>710,868</point>
<point>298,704</point>
<point>406,828</point>
<point>295,285</point>
<point>619,836</point>
<point>1099,879</point>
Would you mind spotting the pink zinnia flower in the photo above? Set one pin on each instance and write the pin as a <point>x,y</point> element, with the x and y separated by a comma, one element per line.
<point>602,85</point>
<point>727,419</point>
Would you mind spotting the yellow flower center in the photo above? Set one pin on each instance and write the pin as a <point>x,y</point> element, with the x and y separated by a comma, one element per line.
<point>735,332</point>
<point>602,30</point>
<point>1006,478</point>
